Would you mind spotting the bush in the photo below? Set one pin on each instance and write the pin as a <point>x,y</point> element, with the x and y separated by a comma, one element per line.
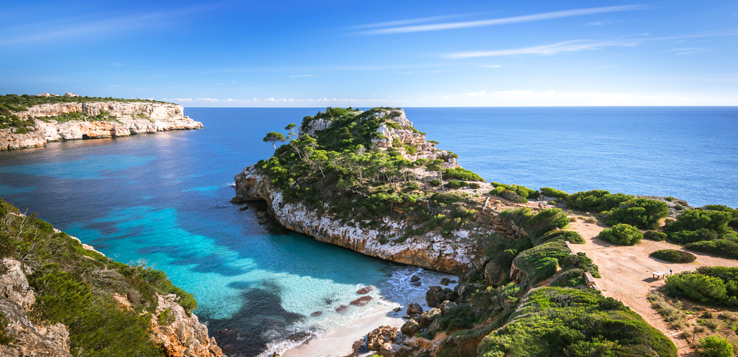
<point>522,191</point>
<point>461,173</point>
<point>640,212</point>
<point>455,184</point>
<point>544,221</point>
<point>673,255</point>
<point>715,346</point>
<point>708,286</point>
<point>621,234</point>
<point>435,182</point>
<point>552,192</point>
<point>596,200</point>
<point>553,235</point>
<point>655,235</point>
<point>474,185</point>
<point>541,262</point>
<point>720,247</point>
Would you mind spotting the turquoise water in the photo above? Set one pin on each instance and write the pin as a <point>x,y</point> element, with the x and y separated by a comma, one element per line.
<point>163,199</point>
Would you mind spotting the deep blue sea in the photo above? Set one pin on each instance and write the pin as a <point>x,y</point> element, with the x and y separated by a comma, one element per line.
<point>163,199</point>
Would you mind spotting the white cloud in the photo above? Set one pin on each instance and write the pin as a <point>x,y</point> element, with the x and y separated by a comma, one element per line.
<point>528,97</point>
<point>501,21</point>
<point>552,49</point>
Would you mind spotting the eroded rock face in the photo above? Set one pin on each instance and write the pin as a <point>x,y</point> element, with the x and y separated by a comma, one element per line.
<point>432,251</point>
<point>181,334</point>
<point>16,298</point>
<point>129,118</point>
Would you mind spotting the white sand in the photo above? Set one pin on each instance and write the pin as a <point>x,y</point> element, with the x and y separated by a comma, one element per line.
<point>340,341</point>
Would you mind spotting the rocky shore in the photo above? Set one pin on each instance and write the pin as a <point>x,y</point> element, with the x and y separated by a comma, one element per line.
<point>92,120</point>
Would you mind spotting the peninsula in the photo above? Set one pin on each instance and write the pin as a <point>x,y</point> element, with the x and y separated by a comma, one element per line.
<point>541,272</point>
<point>28,121</point>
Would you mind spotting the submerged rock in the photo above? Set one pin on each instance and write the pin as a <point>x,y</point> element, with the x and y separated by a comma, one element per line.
<point>361,301</point>
<point>364,290</point>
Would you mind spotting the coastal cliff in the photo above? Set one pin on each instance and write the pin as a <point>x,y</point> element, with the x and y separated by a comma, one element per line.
<point>35,125</point>
<point>61,298</point>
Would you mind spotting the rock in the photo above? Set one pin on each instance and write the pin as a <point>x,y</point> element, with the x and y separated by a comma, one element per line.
<point>434,296</point>
<point>410,328</point>
<point>184,335</point>
<point>243,208</point>
<point>342,309</point>
<point>380,336</point>
<point>389,349</point>
<point>261,214</point>
<point>397,309</point>
<point>365,290</point>
<point>127,118</point>
<point>434,327</point>
<point>414,309</point>
<point>414,279</point>
<point>361,301</point>
<point>357,347</point>
<point>445,281</point>
<point>427,317</point>
<point>316,313</point>
<point>264,220</point>
<point>493,274</point>
<point>446,306</point>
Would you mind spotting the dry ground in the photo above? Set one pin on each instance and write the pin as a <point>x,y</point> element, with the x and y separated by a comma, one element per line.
<point>626,272</point>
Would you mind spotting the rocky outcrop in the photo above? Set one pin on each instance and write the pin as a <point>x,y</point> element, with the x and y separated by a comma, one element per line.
<point>181,334</point>
<point>16,299</point>
<point>178,333</point>
<point>121,119</point>
<point>432,251</point>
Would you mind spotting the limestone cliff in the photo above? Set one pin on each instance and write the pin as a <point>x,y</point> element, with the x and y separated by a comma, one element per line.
<point>431,250</point>
<point>78,120</point>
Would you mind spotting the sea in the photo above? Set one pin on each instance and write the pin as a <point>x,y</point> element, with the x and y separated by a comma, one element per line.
<point>163,200</point>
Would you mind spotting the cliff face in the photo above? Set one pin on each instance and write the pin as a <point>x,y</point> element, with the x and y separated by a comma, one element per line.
<point>431,250</point>
<point>123,119</point>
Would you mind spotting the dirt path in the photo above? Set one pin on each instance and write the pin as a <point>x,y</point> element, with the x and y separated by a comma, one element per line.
<point>626,273</point>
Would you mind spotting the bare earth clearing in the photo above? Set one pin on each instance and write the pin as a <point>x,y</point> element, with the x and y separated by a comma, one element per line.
<point>626,273</point>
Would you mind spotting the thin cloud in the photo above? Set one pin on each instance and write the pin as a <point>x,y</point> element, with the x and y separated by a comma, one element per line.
<point>502,21</point>
<point>552,49</point>
<point>41,32</point>
<point>302,76</point>
<point>406,21</point>
<point>687,51</point>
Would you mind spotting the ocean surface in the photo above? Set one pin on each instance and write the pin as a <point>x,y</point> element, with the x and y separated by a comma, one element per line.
<point>163,199</point>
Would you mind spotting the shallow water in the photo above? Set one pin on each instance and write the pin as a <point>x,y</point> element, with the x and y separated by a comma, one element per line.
<point>163,199</point>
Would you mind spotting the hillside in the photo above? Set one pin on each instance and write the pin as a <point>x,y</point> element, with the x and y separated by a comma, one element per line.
<point>59,297</point>
<point>371,182</point>
<point>32,121</point>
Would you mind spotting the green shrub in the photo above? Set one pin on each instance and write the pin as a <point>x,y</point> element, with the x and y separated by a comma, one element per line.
<point>596,200</point>
<point>541,262</point>
<point>698,219</point>
<point>715,346</point>
<point>435,182</point>
<point>460,173</point>
<point>521,191</point>
<point>512,196</point>
<point>474,185</point>
<point>455,184</point>
<point>552,192</point>
<point>621,234</point>
<point>673,255</point>
<point>711,285</point>
<point>460,317</point>
<point>571,236</point>
<point>544,221</point>
<point>720,247</point>
<point>640,212</point>
<point>655,235</point>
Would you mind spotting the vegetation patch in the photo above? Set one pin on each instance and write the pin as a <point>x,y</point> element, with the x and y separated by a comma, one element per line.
<point>571,322</point>
<point>514,193</point>
<point>673,256</point>
<point>622,234</point>
<point>655,235</point>
<point>708,285</point>
<point>640,212</point>
<point>75,286</point>
<point>552,192</point>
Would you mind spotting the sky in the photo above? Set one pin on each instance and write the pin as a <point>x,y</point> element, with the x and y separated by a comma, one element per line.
<point>375,53</point>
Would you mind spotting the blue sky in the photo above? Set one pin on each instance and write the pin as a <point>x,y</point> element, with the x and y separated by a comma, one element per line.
<point>367,53</point>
